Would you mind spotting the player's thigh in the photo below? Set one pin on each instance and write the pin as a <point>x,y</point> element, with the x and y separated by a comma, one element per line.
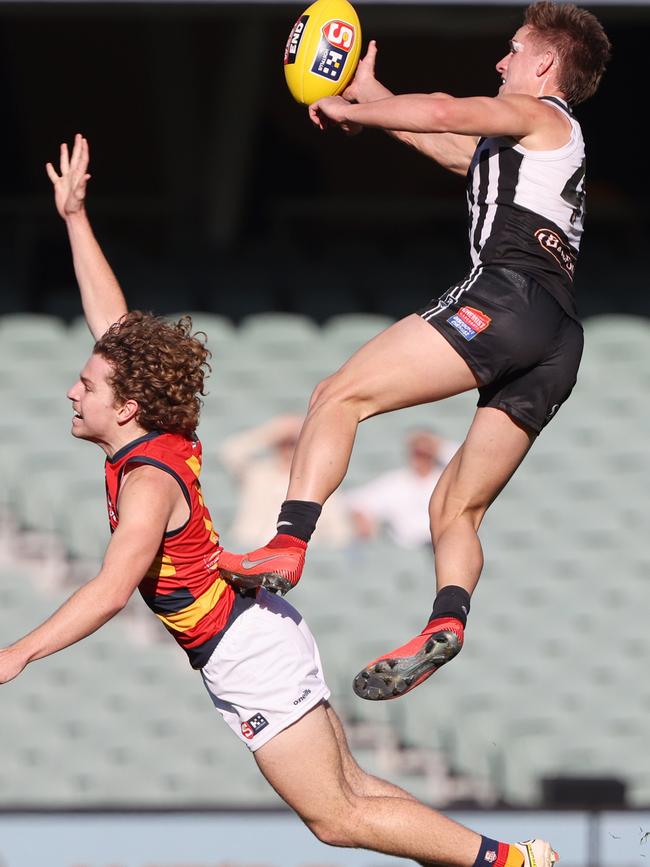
<point>407,364</point>
<point>494,447</point>
<point>304,765</point>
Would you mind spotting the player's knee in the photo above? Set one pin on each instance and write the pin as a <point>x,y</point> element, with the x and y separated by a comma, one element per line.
<point>446,508</point>
<point>339,826</point>
<point>319,393</point>
<point>338,391</point>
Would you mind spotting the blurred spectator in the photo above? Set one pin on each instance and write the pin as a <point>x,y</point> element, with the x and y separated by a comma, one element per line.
<point>260,459</point>
<point>398,500</point>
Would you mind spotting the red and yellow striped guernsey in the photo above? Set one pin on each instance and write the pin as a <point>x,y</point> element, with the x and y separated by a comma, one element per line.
<point>183,587</point>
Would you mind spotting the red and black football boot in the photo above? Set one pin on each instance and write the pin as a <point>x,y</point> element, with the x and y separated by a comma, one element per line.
<point>277,566</point>
<point>401,670</point>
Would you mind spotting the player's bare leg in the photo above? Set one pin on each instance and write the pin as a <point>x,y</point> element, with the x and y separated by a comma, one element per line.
<point>361,782</point>
<point>305,765</point>
<point>494,448</point>
<point>408,364</point>
<point>310,767</point>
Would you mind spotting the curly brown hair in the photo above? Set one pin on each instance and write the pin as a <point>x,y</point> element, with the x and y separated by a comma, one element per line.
<point>580,41</point>
<point>161,365</point>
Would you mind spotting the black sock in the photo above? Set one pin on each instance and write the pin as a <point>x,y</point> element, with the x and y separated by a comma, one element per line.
<point>298,518</point>
<point>451,601</point>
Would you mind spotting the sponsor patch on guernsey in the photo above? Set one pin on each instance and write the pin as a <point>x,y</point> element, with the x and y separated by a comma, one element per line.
<point>253,726</point>
<point>469,322</point>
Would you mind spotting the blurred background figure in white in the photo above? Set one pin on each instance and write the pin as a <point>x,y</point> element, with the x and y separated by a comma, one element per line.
<point>259,459</point>
<point>397,501</point>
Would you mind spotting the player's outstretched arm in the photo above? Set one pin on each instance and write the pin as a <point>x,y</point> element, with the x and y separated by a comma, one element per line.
<point>451,151</point>
<point>146,502</point>
<point>101,296</point>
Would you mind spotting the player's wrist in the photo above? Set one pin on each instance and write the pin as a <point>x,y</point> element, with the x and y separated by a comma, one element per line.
<point>371,90</point>
<point>20,654</point>
<point>77,215</point>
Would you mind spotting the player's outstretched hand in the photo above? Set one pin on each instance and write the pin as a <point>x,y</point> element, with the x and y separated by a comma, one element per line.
<point>360,88</point>
<point>10,664</point>
<point>328,111</point>
<point>70,184</point>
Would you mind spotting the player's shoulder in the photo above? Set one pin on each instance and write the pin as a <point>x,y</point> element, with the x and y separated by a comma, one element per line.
<point>525,102</point>
<point>147,474</point>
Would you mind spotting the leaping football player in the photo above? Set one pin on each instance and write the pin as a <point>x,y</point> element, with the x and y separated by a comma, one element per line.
<point>509,328</point>
<point>138,398</point>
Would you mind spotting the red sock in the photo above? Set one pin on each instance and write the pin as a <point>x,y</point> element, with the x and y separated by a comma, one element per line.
<point>495,854</point>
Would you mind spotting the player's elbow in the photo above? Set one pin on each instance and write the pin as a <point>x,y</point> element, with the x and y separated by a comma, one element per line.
<point>116,603</point>
<point>440,117</point>
<point>113,596</point>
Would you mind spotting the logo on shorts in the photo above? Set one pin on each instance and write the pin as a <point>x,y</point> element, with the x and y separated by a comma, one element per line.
<point>561,252</point>
<point>491,856</point>
<point>293,42</point>
<point>302,696</point>
<point>552,411</point>
<point>253,726</point>
<point>469,322</point>
<point>337,39</point>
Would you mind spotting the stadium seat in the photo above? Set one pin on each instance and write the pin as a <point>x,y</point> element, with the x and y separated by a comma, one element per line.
<point>278,335</point>
<point>220,330</point>
<point>33,332</point>
<point>349,331</point>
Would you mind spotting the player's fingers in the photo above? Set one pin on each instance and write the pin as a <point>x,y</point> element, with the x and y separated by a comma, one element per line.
<point>76,152</point>
<point>52,175</point>
<point>84,156</point>
<point>65,159</point>
<point>315,115</point>
<point>371,55</point>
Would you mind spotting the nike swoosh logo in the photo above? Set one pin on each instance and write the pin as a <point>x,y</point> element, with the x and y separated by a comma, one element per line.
<point>284,524</point>
<point>250,564</point>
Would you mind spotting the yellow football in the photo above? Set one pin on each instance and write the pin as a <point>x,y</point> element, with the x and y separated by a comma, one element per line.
<point>322,51</point>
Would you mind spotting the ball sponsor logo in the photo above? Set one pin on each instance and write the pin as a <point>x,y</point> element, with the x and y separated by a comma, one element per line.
<point>337,39</point>
<point>561,252</point>
<point>293,42</point>
<point>340,34</point>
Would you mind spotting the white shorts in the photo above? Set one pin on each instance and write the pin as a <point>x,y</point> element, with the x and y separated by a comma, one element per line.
<point>266,672</point>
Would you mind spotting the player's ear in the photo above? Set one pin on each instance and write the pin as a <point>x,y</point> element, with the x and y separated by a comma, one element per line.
<point>546,62</point>
<point>127,411</point>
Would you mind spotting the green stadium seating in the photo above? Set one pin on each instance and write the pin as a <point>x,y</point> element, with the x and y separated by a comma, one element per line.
<point>552,676</point>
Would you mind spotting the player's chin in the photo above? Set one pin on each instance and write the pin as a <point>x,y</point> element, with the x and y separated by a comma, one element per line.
<point>78,430</point>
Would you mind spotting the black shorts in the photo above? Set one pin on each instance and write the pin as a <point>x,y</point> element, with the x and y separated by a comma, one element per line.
<point>522,347</point>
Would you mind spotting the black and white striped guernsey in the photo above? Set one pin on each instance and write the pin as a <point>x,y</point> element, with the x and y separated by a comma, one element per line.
<point>526,208</point>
